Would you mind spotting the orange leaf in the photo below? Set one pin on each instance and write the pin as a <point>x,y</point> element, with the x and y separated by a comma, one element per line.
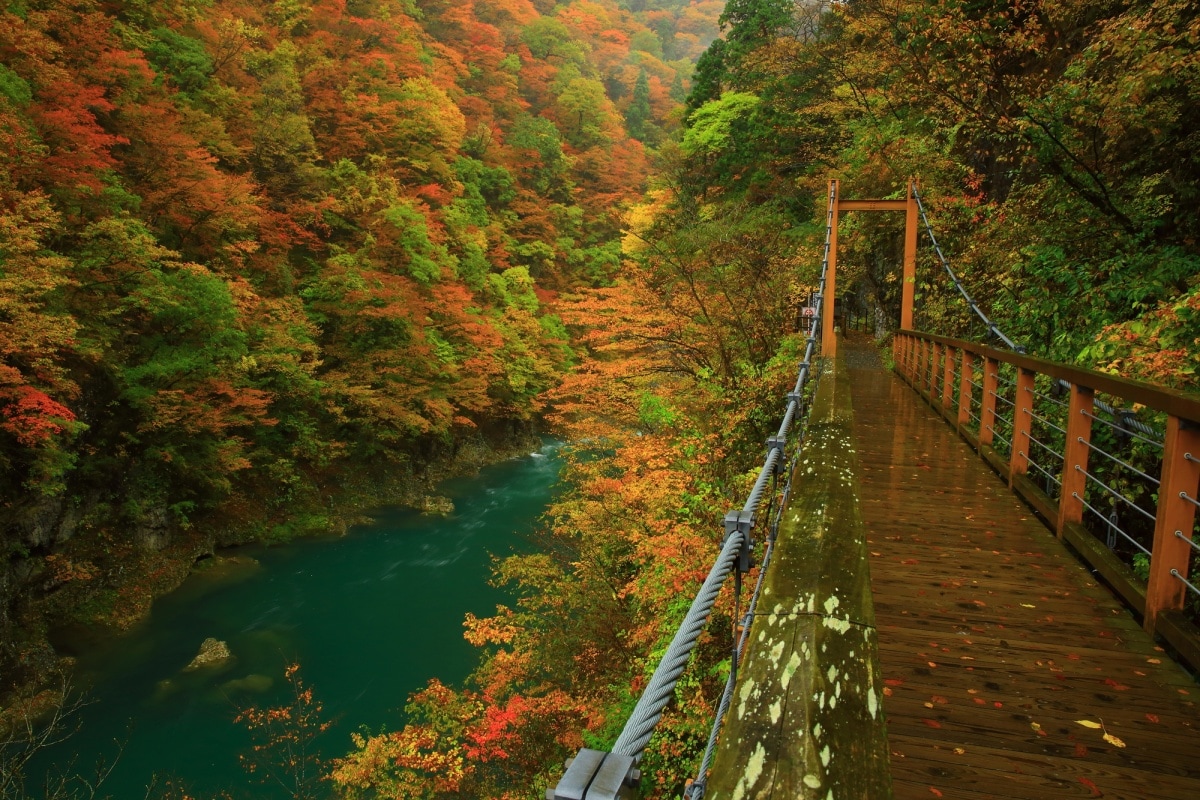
<point>1095,789</point>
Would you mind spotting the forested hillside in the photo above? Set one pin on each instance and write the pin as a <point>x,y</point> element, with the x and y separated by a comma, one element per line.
<point>260,261</point>
<point>1055,145</point>
<point>257,257</point>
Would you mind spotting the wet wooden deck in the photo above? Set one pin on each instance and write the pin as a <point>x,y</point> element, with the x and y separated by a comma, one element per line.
<point>1005,664</point>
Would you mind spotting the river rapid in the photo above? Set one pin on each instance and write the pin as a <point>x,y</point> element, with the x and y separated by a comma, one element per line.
<point>370,617</point>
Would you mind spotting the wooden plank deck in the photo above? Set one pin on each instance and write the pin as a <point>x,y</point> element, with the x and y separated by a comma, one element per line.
<point>994,640</point>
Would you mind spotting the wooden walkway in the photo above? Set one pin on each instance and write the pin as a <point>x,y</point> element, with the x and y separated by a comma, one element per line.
<point>1009,672</point>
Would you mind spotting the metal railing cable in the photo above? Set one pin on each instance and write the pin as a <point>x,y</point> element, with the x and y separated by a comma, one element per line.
<point>698,786</point>
<point>937,248</point>
<point>734,554</point>
<point>1126,419</point>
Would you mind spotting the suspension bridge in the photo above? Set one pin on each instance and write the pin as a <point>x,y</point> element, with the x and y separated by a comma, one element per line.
<point>977,580</point>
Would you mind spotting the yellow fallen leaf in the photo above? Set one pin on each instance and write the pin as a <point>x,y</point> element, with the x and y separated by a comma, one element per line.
<point>958,751</point>
<point>1087,723</point>
<point>1028,605</point>
<point>1113,740</point>
<point>1035,726</point>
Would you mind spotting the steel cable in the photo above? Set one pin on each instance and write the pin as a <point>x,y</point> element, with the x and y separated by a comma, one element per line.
<point>991,326</point>
<point>1135,424</point>
<point>661,688</point>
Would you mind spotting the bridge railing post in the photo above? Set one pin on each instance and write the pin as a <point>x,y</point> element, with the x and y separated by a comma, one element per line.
<point>965,388</point>
<point>919,363</point>
<point>1075,457</point>
<point>929,353</point>
<point>948,378</point>
<point>987,410</point>
<point>1018,463</point>
<point>1177,495</point>
<point>934,360</point>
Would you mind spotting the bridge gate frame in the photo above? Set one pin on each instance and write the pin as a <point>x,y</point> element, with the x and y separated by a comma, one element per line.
<point>909,206</point>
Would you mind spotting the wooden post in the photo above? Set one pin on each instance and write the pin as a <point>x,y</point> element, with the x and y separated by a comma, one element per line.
<point>965,389</point>
<point>987,412</point>
<point>1075,457</point>
<point>828,338</point>
<point>948,378</point>
<point>1180,475</point>
<point>909,285</point>
<point>933,369</point>
<point>1018,462</point>
<point>927,373</point>
<point>919,364</point>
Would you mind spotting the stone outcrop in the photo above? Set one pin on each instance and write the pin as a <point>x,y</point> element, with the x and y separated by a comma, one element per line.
<point>213,653</point>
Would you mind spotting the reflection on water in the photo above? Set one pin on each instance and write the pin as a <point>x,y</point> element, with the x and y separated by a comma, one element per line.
<point>370,616</point>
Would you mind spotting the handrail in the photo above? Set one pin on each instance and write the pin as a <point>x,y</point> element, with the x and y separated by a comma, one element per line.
<point>1159,398</point>
<point>1165,592</point>
<point>596,775</point>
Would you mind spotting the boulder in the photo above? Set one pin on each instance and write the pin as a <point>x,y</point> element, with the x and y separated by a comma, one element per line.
<point>213,653</point>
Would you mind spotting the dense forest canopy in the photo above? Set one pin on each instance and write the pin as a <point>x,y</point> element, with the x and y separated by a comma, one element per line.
<point>256,257</point>
<point>253,255</point>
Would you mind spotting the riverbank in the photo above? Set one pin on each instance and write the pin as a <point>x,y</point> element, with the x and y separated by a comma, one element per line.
<point>99,585</point>
<point>370,617</point>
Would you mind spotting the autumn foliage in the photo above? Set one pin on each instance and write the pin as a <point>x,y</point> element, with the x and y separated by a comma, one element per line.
<point>260,258</point>
<point>1042,135</point>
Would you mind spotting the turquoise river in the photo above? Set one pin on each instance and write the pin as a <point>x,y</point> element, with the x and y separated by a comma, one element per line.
<point>370,617</point>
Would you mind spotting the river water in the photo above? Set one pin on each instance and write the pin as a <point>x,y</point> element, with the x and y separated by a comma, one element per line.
<point>370,617</point>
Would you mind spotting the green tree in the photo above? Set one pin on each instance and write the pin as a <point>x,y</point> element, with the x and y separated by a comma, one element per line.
<point>637,115</point>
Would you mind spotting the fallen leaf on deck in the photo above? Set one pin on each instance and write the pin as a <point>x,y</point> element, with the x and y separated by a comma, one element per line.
<point>1028,605</point>
<point>933,723</point>
<point>1152,717</point>
<point>1087,723</point>
<point>958,751</point>
<point>1113,740</point>
<point>1095,789</point>
<point>935,792</point>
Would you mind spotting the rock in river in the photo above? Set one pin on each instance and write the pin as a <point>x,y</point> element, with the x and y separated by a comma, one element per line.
<point>213,653</point>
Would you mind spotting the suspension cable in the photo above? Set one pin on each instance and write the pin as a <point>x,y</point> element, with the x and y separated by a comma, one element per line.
<point>1126,419</point>
<point>991,326</point>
